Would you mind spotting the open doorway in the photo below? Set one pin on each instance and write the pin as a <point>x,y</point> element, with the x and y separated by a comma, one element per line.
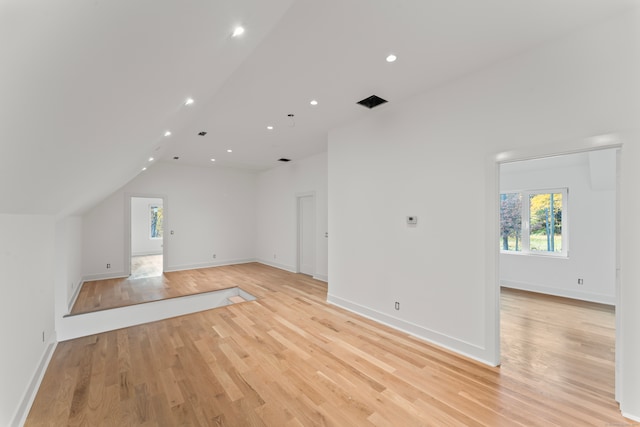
<point>558,248</point>
<point>147,237</point>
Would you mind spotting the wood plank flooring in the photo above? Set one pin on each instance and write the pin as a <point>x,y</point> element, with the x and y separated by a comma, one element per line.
<point>111,293</point>
<point>291,359</point>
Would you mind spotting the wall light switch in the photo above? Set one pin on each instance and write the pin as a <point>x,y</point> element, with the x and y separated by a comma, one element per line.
<point>412,220</point>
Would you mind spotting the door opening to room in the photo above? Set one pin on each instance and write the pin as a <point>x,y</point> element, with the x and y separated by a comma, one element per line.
<point>147,237</point>
<point>558,266</point>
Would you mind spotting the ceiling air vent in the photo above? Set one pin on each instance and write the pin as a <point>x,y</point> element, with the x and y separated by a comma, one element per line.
<point>372,101</point>
<point>284,160</point>
<point>203,133</point>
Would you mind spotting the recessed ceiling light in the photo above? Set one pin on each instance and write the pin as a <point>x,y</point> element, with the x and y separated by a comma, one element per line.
<point>270,127</point>
<point>151,159</point>
<point>144,169</point>
<point>391,58</point>
<point>176,157</point>
<point>167,133</point>
<point>189,101</point>
<point>238,31</point>
<point>229,151</point>
<point>213,160</point>
<point>313,102</point>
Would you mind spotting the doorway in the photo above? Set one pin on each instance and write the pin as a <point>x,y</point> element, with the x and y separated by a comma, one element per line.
<point>147,237</point>
<point>588,268</point>
<point>306,233</point>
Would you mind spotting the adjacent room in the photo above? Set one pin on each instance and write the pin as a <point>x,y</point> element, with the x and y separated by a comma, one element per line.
<point>320,213</point>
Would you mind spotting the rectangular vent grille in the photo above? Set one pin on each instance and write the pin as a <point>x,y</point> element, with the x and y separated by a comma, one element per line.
<point>284,160</point>
<point>372,101</point>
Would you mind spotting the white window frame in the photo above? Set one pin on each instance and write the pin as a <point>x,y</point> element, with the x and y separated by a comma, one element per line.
<point>526,217</point>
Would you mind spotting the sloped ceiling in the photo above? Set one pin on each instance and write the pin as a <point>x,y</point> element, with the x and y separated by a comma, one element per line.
<point>88,88</point>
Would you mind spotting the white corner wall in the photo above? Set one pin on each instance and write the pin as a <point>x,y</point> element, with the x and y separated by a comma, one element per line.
<point>434,156</point>
<point>276,213</point>
<point>26,309</point>
<point>68,262</point>
<point>210,211</point>
<point>591,226</point>
<point>141,241</point>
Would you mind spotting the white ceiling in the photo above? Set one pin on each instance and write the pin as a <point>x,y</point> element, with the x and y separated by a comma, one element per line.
<point>88,88</point>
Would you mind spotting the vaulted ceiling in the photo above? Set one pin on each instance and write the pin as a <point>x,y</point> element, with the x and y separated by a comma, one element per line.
<point>88,89</point>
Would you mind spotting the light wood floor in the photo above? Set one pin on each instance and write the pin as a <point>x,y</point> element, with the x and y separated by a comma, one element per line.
<point>111,293</point>
<point>291,359</point>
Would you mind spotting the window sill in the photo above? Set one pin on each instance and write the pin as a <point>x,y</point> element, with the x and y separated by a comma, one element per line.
<point>535,254</point>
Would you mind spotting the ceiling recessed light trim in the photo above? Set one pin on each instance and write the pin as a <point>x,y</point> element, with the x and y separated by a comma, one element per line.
<point>229,151</point>
<point>269,127</point>
<point>189,101</point>
<point>151,159</point>
<point>391,58</point>
<point>237,31</point>
<point>213,160</point>
<point>313,102</point>
<point>167,133</point>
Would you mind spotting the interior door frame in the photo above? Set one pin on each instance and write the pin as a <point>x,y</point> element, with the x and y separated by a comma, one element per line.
<point>599,142</point>
<point>127,227</point>
<point>298,234</point>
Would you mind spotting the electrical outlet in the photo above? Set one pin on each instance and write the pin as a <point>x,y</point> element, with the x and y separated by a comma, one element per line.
<point>580,282</point>
<point>108,265</point>
<point>214,256</point>
<point>397,305</point>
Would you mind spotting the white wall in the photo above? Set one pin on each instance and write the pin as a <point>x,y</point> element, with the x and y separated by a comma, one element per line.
<point>434,156</point>
<point>210,210</point>
<point>26,307</point>
<point>141,241</point>
<point>68,262</point>
<point>276,213</point>
<point>590,222</point>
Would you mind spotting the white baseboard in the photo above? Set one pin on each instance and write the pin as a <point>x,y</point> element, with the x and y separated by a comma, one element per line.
<point>321,277</point>
<point>566,293</point>
<point>464,348</point>
<point>74,297</point>
<point>630,416</point>
<point>104,276</point>
<point>208,264</point>
<point>146,253</point>
<point>276,265</point>
<point>29,395</point>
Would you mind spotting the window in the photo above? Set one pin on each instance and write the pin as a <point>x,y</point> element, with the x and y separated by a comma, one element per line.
<point>534,222</point>
<point>156,221</point>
